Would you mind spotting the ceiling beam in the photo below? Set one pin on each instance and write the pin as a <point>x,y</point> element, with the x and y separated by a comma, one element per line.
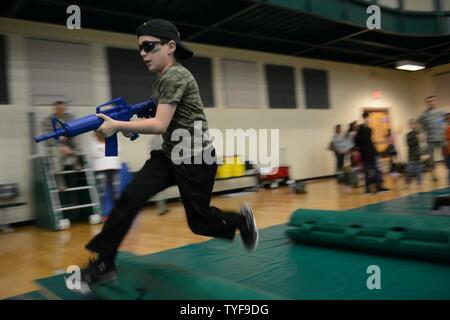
<point>382,45</point>
<point>381,63</point>
<point>438,56</point>
<point>236,33</point>
<point>227,19</point>
<point>326,44</point>
<point>258,37</point>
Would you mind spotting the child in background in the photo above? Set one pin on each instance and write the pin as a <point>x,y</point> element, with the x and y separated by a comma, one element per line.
<point>340,147</point>
<point>391,152</point>
<point>414,167</point>
<point>106,171</point>
<point>351,133</point>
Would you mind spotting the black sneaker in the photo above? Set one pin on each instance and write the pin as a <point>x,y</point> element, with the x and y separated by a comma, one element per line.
<point>98,271</point>
<point>249,230</point>
<point>383,190</point>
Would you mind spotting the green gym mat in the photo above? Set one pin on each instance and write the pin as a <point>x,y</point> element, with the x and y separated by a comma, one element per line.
<point>415,204</point>
<point>288,270</point>
<point>33,295</point>
<point>157,281</point>
<point>54,288</point>
<point>279,267</point>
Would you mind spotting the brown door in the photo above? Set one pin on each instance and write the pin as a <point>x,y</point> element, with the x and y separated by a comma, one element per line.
<point>380,124</point>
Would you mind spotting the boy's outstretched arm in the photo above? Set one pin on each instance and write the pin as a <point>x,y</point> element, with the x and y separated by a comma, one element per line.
<point>156,125</point>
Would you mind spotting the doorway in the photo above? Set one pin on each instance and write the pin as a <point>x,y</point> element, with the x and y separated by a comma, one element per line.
<point>379,122</point>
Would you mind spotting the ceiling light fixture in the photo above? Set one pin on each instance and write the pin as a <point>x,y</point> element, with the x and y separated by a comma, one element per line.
<point>409,65</point>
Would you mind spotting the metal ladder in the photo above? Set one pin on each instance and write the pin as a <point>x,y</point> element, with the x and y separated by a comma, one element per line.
<point>58,209</point>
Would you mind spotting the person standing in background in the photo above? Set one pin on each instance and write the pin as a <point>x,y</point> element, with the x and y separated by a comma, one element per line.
<point>432,122</point>
<point>351,133</point>
<point>64,150</point>
<point>64,154</point>
<point>354,155</point>
<point>447,146</point>
<point>391,153</point>
<point>414,167</point>
<point>364,143</point>
<point>339,144</point>
<point>350,137</point>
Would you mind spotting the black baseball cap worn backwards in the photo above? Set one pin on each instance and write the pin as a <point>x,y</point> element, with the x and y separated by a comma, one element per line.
<point>165,29</point>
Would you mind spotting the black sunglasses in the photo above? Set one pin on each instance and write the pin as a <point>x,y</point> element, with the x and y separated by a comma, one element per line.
<point>149,46</point>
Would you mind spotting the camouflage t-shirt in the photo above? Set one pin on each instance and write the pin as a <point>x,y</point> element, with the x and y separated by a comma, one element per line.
<point>178,86</point>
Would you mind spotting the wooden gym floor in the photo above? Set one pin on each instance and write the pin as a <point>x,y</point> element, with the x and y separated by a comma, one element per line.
<point>29,253</point>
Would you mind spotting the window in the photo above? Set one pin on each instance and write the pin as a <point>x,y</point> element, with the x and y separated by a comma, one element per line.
<point>241,84</point>
<point>315,83</point>
<point>60,71</point>
<point>281,86</point>
<point>128,76</point>
<point>201,68</point>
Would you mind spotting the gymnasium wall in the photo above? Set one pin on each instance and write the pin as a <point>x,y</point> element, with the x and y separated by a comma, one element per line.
<point>304,133</point>
<point>435,81</point>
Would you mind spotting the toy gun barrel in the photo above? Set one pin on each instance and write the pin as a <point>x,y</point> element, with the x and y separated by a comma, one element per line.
<point>46,136</point>
<point>71,128</point>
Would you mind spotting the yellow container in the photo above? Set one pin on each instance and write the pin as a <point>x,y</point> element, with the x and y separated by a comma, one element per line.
<point>238,170</point>
<point>224,171</point>
<point>232,167</point>
<point>219,173</point>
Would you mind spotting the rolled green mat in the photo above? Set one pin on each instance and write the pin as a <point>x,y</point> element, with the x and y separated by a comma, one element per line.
<point>417,237</point>
<point>150,281</point>
<point>420,222</point>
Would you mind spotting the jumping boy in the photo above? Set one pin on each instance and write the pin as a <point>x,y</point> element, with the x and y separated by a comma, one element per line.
<point>179,107</point>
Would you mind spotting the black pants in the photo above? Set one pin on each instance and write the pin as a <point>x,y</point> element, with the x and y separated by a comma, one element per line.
<point>447,162</point>
<point>372,174</point>
<point>340,160</point>
<point>195,183</point>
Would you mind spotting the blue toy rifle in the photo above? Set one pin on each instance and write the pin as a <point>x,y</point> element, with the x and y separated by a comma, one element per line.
<point>120,111</point>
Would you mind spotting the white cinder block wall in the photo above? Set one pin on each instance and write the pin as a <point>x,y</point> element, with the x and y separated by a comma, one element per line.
<point>303,133</point>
